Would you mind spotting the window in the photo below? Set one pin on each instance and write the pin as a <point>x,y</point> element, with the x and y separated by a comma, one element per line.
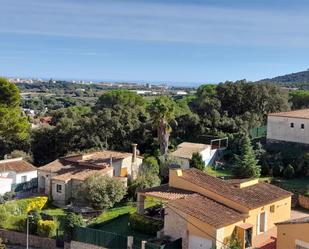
<point>262,223</point>
<point>23,178</point>
<point>302,126</point>
<point>292,125</point>
<point>59,188</point>
<point>272,208</point>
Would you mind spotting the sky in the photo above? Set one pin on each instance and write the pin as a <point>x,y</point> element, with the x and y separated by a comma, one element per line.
<point>179,41</point>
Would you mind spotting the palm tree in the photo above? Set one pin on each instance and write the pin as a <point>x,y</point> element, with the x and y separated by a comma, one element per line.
<point>162,112</point>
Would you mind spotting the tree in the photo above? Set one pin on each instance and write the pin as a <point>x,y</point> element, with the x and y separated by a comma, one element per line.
<point>162,112</point>
<point>197,161</point>
<point>102,191</point>
<point>150,164</point>
<point>289,172</point>
<point>246,163</point>
<point>13,127</point>
<point>71,221</point>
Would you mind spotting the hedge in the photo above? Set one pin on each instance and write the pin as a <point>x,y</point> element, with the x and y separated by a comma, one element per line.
<point>23,206</point>
<point>144,224</point>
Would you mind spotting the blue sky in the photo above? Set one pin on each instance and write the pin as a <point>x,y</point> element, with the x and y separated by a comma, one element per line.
<point>154,40</point>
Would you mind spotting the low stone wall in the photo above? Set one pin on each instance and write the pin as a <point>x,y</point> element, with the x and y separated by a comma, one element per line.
<point>17,238</point>
<point>303,201</point>
<point>80,245</point>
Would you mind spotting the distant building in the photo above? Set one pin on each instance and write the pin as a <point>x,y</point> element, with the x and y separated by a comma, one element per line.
<point>61,178</point>
<point>292,126</point>
<point>185,150</point>
<point>15,171</point>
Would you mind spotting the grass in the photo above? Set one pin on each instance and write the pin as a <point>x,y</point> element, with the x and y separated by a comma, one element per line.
<point>295,185</point>
<point>55,212</point>
<point>129,208</point>
<point>220,172</point>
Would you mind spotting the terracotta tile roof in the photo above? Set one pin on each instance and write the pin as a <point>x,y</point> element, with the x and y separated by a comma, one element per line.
<point>304,220</point>
<point>304,114</point>
<point>166,192</point>
<point>17,165</point>
<point>251,197</point>
<point>207,210</point>
<point>79,173</point>
<point>185,149</point>
<point>54,166</point>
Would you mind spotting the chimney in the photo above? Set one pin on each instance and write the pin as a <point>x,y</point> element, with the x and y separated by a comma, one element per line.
<point>134,151</point>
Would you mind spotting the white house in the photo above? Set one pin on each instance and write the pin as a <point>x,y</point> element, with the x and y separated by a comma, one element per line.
<point>15,171</point>
<point>60,179</point>
<point>185,150</point>
<point>292,126</point>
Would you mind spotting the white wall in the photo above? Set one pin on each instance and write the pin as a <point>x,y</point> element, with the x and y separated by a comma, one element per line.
<point>278,128</point>
<point>30,175</point>
<point>5,185</point>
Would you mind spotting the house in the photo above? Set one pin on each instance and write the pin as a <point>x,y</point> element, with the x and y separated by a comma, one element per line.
<point>61,178</point>
<point>293,234</point>
<point>292,126</point>
<point>185,150</point>
<point>15,171</point>
<point>206,211</point>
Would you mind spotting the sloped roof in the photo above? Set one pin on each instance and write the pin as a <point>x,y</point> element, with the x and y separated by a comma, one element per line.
<point>304,220</point>
<point>303,114</point>
<point>17,165</point>
<point>186,149</point>
<point>166,192</point>
<point>252,196</point>
<point>207,210</point>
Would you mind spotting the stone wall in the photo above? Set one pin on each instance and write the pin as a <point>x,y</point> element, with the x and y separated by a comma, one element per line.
<point>80,245</point>
<point>303,201</point>
<point>17,238</point>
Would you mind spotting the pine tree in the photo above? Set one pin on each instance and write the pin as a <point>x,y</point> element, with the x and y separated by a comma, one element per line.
<point>246,163</point>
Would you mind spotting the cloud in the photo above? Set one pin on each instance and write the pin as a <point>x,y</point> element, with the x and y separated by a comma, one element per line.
<point>157,22</point>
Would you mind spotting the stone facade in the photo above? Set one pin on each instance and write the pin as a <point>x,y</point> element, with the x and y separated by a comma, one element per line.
<point>175,226</point>
<point>303,201</point>
<point>17,238</point>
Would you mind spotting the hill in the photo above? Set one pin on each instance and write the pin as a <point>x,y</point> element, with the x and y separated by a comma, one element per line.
<point>299,79</point>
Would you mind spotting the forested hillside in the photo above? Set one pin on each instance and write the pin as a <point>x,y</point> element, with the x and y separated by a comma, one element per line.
<point>299,79</point>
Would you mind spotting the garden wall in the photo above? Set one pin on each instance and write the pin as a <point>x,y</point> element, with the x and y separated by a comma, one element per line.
<point>80,245</point>
<point>303,201</point>
<point>17,238</point>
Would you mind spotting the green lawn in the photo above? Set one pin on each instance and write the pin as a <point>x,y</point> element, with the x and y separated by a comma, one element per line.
<point>295,185</point>
<point>226,173</point>
<point>129,208</point>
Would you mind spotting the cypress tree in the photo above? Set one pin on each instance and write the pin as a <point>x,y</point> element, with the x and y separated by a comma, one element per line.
<point>246,163</point>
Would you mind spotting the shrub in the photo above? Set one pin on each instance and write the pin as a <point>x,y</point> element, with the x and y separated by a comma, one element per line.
<point>36,203</point>
<point>289,172</point>
<point>47,228</point>
<point>3,217</point>
<point>151,164</point>
<point>34,219</point>
<point>145,225</point>
<point>102,191</point>
<point>71,221</point>
<point>2,201</point>
<point>277,170</point>
<point>8,196</point>
<point>197,161</point>
<point>2,245</point>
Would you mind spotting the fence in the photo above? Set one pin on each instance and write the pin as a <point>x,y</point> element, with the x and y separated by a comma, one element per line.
<point>258,132</point>
<point>99,238</point>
